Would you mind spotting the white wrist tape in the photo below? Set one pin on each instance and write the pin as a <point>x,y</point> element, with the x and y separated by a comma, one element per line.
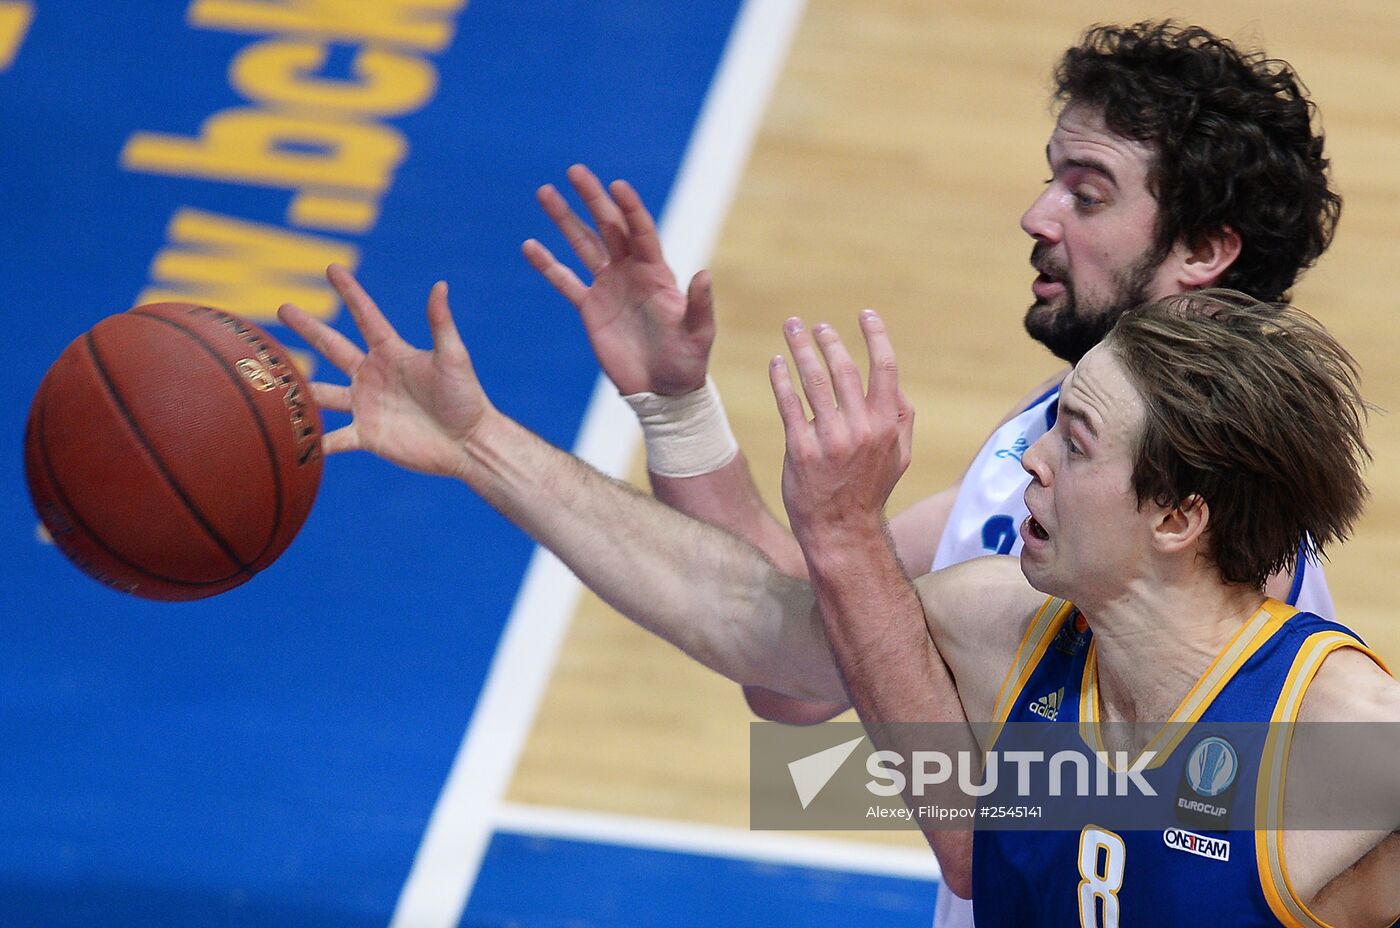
<point>687,435</point>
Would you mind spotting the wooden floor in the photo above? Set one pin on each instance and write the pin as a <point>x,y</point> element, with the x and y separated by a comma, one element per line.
<point>902,144</point>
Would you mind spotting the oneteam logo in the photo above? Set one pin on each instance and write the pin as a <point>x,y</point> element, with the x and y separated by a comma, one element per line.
<point>1181,840</point>
<point>1048,706</point>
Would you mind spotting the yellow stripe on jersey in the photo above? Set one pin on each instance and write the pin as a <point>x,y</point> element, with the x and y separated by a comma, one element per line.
<point>1042,630</point>
<point>1268,804</point>
<point>1089,731</point>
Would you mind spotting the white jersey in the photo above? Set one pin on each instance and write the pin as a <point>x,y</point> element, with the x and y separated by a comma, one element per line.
<point>987,517</point>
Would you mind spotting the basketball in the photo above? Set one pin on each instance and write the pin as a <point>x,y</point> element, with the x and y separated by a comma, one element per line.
<point>173,451</point>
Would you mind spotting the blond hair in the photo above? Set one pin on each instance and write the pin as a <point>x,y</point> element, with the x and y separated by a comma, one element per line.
<point>1255,409</point>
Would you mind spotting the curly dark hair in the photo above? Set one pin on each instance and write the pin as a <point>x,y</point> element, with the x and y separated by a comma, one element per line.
<point>1234,140</point>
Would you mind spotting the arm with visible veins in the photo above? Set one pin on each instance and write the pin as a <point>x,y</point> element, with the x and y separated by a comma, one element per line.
<point>712,595</point>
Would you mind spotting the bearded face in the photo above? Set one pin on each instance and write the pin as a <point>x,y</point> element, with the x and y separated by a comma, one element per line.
<point>1069,323</point>
<point>1094,227</point>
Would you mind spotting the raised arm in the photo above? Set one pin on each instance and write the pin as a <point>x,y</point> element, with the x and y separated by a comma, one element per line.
<point>907,650</point>
<point>654,343</point>
<point>710,594</point>
<point>837,475</point>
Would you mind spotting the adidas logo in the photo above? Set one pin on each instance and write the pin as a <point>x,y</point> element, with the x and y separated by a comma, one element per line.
<point>1048,706</point>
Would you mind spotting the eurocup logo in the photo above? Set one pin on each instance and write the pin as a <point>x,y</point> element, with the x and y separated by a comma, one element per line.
<point>1211,767</point>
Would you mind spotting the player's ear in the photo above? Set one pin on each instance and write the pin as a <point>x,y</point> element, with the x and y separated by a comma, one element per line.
<point>1183,526</point>
<point>1205,263</point>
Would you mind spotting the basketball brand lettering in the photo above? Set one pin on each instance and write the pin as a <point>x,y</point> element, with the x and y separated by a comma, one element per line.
<point>308,446</point>
<point>268,362</point>
<point>257,375</point>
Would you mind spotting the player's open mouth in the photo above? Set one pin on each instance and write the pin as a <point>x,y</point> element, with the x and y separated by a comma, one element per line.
<point>1036,529</point>
<point>1047,286</point>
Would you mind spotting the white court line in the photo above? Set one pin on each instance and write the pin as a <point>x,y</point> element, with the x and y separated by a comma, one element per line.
<point>715,841</point>
<point>447,861</point>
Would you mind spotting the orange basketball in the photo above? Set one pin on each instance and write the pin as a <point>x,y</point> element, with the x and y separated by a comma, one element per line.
<point>173,451</point>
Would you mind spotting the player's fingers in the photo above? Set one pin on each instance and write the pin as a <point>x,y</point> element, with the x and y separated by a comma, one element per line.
<point>612,225</point>
<point>332,345</point>
<point>699,304</point>
<point>905,407</point>
<point>558,274</point>
<point>845,376</point>
<point>447,341</point>
<point>789,403</point>
<point>884,372</point>
<point>582,239</point>
<point>646,244</point>
<point>331,396</point>
<point>342,439</point>
<point>816,385</point>
<point>373,326</point>
<point>906,428</point>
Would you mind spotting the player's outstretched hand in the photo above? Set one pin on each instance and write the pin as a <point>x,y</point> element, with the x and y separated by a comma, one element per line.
<point>413,407</point>
<point>841,464</point>
<point>646,334</point>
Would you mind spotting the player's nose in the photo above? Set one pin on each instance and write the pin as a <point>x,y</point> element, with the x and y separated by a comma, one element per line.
<point>1039,221</point>
<point>1033,461</point>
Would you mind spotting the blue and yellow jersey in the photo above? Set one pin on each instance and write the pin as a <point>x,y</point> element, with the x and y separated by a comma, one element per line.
<point>1220,860</point>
